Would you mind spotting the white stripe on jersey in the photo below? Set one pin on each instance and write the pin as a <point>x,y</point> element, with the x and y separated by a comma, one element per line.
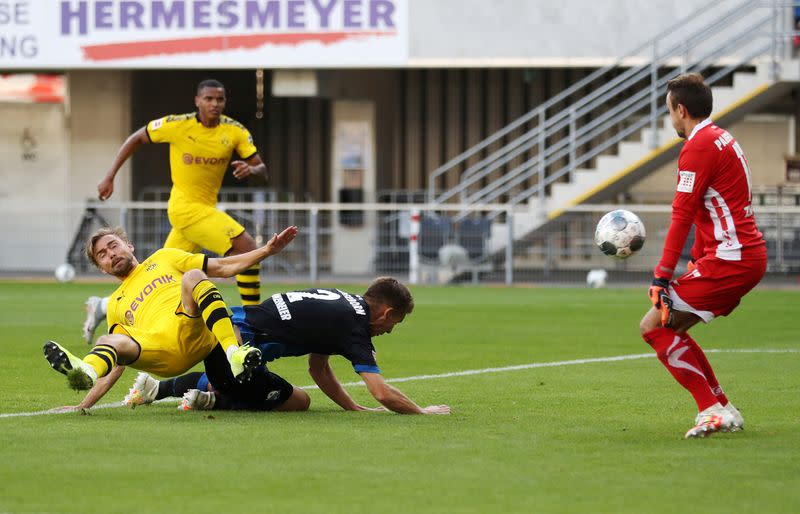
<point>729,247</point>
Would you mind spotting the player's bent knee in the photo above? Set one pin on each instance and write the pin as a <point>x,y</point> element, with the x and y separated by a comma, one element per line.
<point>298,401</point>
<point>192,277</point>
<point>127,349</point>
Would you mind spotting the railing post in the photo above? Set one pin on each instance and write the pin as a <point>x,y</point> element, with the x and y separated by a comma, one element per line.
<point>258,217</point>
<point>123,218</point>
<point>773,46</point>
<point>654,140</point>
<point>510,246</point>
<point>413,247</point>
<point>313,245</point>
<point>685,60</point>
<point>779,232</point>
<point>542,142</point>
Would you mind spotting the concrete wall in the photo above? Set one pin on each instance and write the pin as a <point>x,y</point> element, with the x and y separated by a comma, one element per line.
<point>766,140</point>
<point>541,32</point>
<point>34,186</point>
<point>51,158</point>
<point>100,120</point>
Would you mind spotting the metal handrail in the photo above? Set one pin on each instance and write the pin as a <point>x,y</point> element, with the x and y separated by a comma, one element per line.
<point>560,121</point>
<point>594,152</point>
<point>537,189</point>
<point>567,119</point>
<point>560,97</point>
<point>590,130</point>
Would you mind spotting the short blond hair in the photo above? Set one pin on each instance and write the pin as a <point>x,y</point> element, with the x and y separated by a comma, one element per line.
<point>102,232</point>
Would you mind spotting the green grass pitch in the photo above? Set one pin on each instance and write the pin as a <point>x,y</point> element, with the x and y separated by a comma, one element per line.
<point>594,437</point>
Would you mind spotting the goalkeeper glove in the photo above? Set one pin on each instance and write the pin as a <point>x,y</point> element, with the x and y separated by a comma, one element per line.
<point>659,297</point>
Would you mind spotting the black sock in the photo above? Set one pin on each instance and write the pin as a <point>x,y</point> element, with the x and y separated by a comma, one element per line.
<point>176,387</point>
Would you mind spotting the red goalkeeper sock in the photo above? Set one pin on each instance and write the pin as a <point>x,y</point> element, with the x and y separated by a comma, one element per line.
<point>705,366</point>
<point>680,361</point>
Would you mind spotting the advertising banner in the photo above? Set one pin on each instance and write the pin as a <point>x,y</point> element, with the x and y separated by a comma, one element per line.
<point>66,34</point>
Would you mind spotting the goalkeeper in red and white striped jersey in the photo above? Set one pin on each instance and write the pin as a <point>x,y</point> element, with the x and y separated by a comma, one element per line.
<point>729,256</point>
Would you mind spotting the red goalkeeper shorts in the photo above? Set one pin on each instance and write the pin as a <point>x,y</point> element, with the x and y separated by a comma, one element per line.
<point>715,287</point>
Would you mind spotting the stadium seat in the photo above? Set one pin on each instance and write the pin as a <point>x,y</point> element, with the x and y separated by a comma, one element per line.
<point>434,232</point>
<point>473,233</point>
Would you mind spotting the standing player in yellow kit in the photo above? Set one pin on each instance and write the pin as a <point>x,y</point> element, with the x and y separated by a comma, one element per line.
<point>201,145</point>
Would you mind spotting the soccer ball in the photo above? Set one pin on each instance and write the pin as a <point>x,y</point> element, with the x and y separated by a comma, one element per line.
<point>65,272</point>
<point>596,278</point>
<point>620,234</point>
<point>453,256</point>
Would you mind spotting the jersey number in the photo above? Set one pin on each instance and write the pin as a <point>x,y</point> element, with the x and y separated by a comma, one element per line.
<point>321,294</point>
<point>748,209</point>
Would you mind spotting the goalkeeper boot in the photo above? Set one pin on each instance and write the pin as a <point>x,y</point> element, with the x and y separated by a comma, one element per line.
<point>80,375</point>
<point>714,419</point>
<point>143,391</point>
<point>243,360</point>
<point>738,420</point>
<point>94,316</point>
<point>194,399</point>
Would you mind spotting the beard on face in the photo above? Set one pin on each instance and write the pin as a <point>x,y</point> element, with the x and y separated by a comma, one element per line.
<point>123,267</point>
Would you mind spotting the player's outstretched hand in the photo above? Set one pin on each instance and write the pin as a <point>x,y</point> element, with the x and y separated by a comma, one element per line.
<point>105,188</point>
<point>436,409</point>
<point>279,241</point>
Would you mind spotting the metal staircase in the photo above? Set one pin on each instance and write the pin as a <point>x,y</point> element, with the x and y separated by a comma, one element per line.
<point>580,146</point>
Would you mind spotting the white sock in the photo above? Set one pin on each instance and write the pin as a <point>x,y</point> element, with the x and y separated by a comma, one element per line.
<point>229,352</point>
<point>104,305</point>
<point>713,409</point>
<point>89,371</point>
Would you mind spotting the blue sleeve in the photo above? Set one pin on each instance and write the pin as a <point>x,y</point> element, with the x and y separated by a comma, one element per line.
<point>361,354</point>
<point>202,383</point>
<point>365,368</point>
<point>238,319</point>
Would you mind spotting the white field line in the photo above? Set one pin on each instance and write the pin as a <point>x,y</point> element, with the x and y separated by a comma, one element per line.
<point>451,374</point>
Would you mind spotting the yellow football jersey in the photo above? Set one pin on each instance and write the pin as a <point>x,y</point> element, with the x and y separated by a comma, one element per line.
<point>198,155</point>
<point>151,294</point>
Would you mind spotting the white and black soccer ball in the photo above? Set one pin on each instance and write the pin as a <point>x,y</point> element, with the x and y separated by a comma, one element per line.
<point>620,234</point>
<point>65,272</point>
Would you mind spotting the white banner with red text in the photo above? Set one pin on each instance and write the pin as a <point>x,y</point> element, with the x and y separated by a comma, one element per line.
<point>66,34</point>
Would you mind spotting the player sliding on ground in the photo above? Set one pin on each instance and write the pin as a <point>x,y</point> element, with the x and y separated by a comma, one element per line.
<point>166,317</point>
<point>729,255</point>
<point>318,323</point>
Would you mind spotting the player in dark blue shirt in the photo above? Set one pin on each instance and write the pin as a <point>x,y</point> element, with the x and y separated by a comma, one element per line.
<point>319,323</point>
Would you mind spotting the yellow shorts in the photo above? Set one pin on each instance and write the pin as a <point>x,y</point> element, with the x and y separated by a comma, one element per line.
<point>171,347</point>
<point>208,228</point>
